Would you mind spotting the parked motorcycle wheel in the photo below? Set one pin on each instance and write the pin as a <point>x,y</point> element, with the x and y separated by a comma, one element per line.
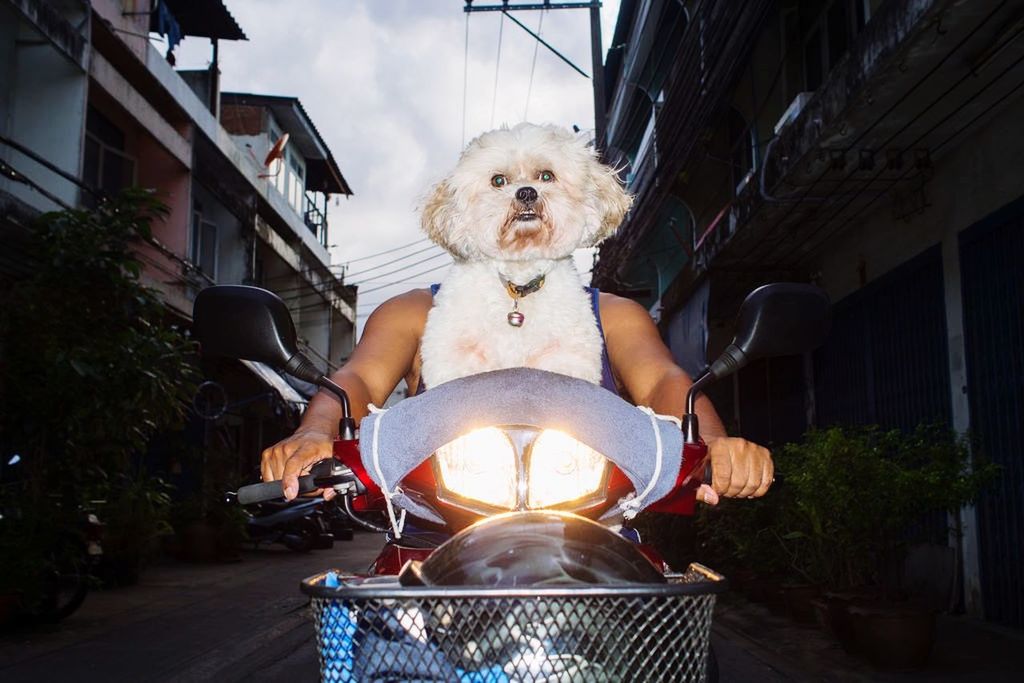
<point>66,583</point>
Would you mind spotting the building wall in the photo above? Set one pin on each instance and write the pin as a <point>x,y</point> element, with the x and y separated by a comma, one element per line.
<point>978,177</point>
<point>42,107</point>
<point>232,248</point>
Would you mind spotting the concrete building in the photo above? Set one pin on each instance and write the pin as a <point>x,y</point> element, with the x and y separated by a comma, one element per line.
<point>89,106</point>
<point>870,146</point>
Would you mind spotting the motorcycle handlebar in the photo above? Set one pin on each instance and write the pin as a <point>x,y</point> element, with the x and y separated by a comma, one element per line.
<point>271,490</point>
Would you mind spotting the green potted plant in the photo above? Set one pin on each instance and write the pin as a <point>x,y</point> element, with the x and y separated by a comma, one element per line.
<point>92,366</point>
<point>853,493</point>
<point>136,515</point>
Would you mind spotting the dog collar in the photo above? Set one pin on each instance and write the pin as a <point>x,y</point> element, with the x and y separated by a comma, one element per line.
<point>517,292</point>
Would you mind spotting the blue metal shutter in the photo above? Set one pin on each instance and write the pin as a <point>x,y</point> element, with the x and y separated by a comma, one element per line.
<point>992,274</point>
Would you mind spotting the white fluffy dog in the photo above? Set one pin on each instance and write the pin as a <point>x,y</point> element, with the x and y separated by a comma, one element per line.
<point>517,205</point>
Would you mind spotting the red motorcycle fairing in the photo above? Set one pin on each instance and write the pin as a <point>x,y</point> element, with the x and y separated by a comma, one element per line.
<point>394,556</point>
<point>346,451</point>
<point>683,498</point>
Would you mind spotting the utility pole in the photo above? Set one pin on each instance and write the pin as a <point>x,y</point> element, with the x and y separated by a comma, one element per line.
<point>597,64</point>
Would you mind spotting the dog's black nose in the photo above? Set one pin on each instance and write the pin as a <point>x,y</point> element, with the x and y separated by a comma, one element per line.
<point>526,194</point>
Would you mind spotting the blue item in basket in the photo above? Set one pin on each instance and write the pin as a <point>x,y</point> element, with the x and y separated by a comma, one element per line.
<point>337,631</point>
<point>380,648</point>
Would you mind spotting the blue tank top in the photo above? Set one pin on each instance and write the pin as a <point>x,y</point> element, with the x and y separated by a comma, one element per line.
<point>607,379</point>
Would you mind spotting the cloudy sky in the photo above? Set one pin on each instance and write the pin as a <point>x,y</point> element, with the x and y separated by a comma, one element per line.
<point>383,82</point>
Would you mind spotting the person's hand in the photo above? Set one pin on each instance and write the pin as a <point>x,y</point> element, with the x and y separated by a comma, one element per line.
<point>739,469</point>
<point>291,457</point>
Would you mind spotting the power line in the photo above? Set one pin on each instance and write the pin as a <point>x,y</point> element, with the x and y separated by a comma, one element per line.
<point>329,286</point>
<point>399,270</point>
<point>497,66</point>
<point>795,202</point>
<point>533,67</point>
<point>423,272</point>
<point>465,80</point>
<point>381,253</point>
<point>388,263</point>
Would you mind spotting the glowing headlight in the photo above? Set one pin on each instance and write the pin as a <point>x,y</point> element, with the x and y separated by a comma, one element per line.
<point>562,469</point>
<point>480,466</point>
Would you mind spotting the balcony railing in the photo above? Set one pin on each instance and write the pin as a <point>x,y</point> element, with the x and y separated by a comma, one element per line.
<point>316,219</point>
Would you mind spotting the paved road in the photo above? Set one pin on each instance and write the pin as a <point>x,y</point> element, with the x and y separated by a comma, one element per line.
<point>244,621</point>
<point>187,622</point>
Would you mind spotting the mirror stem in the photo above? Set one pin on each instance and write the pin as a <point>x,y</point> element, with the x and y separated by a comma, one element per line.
<point>690,424</point>
<point>347,425</point>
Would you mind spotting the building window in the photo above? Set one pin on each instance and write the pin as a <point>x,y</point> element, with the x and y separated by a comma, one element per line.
<point>288,172</point>
<point>203,245</point>
<point>277,167</point>
<point>105,166</point>
<point>296,180</point>
<point>827,29</point>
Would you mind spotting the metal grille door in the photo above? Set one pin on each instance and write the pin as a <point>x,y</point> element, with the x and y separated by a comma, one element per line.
<point>885,361</point>
<point>992,273</point>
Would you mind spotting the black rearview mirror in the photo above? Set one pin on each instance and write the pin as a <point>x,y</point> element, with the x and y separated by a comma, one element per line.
<point>780,319</point>
<point>252,324</point>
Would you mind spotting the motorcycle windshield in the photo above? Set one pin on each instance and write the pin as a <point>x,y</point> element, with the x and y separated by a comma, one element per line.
<point>647,448</point>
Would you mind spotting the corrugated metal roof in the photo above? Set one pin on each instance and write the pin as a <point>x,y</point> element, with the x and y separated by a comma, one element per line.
<point>204,18</point>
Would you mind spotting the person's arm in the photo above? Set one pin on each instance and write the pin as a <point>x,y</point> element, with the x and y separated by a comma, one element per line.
<point>645,368</point>
<point>385,353</point>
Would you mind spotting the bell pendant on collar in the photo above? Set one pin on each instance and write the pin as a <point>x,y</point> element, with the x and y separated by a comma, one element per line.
<point>515,318</point>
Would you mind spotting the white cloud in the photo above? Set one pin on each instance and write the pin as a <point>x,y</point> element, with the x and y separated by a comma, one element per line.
<point>383,83</point>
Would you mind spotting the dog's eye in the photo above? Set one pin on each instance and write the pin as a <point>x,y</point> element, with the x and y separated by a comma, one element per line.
<point>546,176</point>
<point>499,180</point>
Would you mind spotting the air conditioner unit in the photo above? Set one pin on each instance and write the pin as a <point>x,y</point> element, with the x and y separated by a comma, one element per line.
<point>793,110</point>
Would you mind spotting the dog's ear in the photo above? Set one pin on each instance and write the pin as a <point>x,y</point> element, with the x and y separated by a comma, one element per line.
<point>611,200</point>
<point>437,219</point>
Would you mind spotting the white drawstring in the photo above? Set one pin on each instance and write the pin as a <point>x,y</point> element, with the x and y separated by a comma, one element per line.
<point>631,504</point>
<point>397,524</point>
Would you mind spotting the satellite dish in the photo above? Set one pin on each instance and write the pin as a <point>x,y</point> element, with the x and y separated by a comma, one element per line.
<point>276,153</point>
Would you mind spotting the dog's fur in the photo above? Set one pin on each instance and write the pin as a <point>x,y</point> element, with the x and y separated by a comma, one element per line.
<point>495,236</point>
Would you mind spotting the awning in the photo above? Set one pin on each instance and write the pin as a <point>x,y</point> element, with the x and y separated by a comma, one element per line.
<point>276,382</point>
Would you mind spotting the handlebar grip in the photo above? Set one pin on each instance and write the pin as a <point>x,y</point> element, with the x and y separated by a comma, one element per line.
<point>271,490</point>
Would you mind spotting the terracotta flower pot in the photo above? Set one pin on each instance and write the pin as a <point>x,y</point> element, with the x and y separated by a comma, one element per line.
<point>798,599</point>
<point>893,636</point>
<point>838,618</point>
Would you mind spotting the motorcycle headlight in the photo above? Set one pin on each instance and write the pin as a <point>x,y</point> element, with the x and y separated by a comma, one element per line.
<point>562,469</point>
<point>480,466</point>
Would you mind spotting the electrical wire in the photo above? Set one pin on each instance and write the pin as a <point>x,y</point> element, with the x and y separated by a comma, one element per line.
<point>390,284</point>
<point>343,265</point>
<point>911,145</point>
<point>882,117</point>
<point>381,253</point>
<point>399,270</point>
<point>533,67</point>
<point>497,66</point>
<point>465,81</point>
<point>392,261</point>
<point>306,285</point>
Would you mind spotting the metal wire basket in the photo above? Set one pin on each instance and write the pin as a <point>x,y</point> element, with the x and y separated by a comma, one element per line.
<point>374,630</point>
